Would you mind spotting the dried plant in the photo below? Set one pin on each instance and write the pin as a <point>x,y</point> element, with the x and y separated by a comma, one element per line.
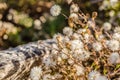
<point>85,51</point>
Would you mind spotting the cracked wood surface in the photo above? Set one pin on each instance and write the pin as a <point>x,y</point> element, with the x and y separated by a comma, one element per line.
<point>15,63</point>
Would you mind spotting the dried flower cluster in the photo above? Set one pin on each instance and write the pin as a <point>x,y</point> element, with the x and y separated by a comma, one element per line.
<point>84,51</point>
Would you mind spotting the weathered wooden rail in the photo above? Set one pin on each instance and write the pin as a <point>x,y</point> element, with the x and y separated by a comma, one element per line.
<point>15,63</point>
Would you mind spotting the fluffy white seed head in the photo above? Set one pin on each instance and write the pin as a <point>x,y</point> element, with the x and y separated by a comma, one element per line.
<point>91,23</point>
<point>51,77</point>
<point>74,16</point>
<point>9,16</point>
<point>118,78</point>
<point>87,37</point>
<point>67,31</point>
<point>77,54</point>
<point>66,39</point>
<point>81,54</point>
<point>54,46</point>
<point>79,70</point>
<point>37,24</point>
<point>113,2</point>
<point>55,10</point>
<point>107,26</point>
<point>97,46</point>
<point>93,75</point>
<point>117,29</point>
<point>47,77</point>
<point>48,61</point>
<point>56,76</point>
<point>74,8</point>
<point>75,36</point>
<point>112,13</point>
<point>105,5</point>
<point>35,73</point>
<point>76,44</point>
<point>79,31</point>
<point>85,55</point>
<point>100,37</point>
<point>113,44</point>
<point>107,42</point>
<point>101,78</point>
<point>116,36</point>
<point>114,57</point>
<point>68,1</point>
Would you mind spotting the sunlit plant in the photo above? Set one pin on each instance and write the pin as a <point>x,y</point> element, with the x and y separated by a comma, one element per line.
<point>85,51</point>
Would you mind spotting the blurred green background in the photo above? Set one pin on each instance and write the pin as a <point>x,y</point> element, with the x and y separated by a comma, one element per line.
<point>23,21</point>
